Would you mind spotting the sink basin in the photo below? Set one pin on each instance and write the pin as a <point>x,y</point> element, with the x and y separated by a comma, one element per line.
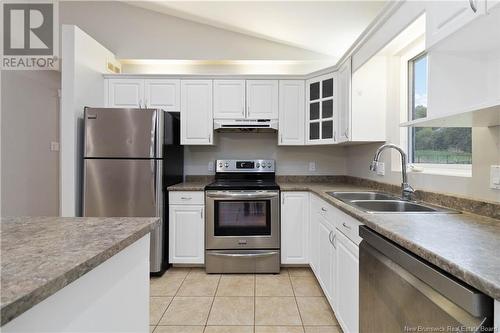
<point>397,206</point>
<point>349,196</point>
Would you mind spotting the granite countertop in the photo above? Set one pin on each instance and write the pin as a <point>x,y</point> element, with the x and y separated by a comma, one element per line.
<point>464,245</point>
<point>198,185</point>
<point>41,255</point>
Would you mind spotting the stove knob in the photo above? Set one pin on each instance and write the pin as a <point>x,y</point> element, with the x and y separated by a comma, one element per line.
<point>220,164</point>
<point>268,164</point>
<point>226,165</point>
<point>258,165</point>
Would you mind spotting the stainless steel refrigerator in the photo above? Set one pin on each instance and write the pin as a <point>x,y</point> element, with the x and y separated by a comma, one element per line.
<point>130,157</point>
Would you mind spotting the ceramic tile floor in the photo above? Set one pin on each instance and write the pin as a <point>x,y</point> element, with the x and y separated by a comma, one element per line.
<point>187,300</point>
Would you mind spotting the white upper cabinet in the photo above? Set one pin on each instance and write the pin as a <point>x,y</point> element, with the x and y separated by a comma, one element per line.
<point>229,99</point>
<point>445,17</point>
<point>162,94</point>
<point>196,112</point>
<point>291,112</point>
<point>294,229</point>
<point>140,93</point>
<point>125,93</point>
<point>321,109</point>
<point>262,99</point>
<point>343,118</point>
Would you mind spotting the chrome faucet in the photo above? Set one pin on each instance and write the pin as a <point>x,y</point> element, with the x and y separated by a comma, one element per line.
<point>406,189</point>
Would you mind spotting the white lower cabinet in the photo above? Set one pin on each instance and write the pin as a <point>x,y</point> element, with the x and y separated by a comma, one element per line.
<point>186,233</point>
<point>294,227</point>
<point>327,259</point>
<point>347,283</point>
<point>333,257</point>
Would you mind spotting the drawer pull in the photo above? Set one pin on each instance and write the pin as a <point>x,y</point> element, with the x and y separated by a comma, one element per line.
<point>323,209</point>
<point>186,198</point>
<point>346,226</point>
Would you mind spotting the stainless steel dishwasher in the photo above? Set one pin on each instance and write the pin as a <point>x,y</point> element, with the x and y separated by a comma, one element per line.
<point>400,292</point>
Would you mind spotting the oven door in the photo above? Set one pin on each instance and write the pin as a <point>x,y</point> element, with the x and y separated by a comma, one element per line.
<point>242,220</point>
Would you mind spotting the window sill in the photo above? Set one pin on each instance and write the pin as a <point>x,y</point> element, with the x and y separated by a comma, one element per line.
<point>436,169</point>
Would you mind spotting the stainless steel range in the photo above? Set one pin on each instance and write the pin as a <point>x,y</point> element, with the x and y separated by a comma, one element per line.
<point>243,221</point>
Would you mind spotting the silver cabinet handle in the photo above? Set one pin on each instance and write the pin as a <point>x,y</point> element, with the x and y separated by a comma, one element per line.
<point>281,138</point>
<point>332,239</point>
<point>243,111</point>
<point>346,133</point>
<point>346,226</point>
<point>146,103</point>
<point>472,4</point>
<point>186,198</point>
<point>323,209</point>
<point>209,137</point>
<point>140,103</point>
<point>201,213</point>
<point>282,199</point>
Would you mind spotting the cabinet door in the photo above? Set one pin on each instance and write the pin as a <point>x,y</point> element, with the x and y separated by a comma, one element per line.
<point>125,93</point>
<point>314,218</point>
<point>294,228</point>
<point>291,112</point>
<point>196,112</point>
<point>321,109</point>
<point>162,94</point>
<point>347,277</point>
<point>326,258</point>
<point>343,118</point>
<point>445,17</point>
<point>262,99</point>
<point>229,99</point>
<point>186,234</point>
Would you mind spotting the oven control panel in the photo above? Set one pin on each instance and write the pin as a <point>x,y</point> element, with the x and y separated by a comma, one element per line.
<point>245,165</point>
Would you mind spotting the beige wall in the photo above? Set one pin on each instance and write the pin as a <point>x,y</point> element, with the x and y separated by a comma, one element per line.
<point>290,160</point>
<point>29,171</point>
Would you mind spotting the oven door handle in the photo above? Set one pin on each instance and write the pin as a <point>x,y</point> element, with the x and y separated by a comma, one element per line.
<point>255,195</point>
<point>243,255</point>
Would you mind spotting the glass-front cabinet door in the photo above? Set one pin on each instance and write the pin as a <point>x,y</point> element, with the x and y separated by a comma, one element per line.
<point>321,109</point>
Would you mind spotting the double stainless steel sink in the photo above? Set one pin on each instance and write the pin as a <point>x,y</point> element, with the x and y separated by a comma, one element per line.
<point>379,202</point>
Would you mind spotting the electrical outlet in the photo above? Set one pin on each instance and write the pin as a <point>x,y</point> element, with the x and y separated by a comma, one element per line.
<point>312,166</point>
<point>381,168</point>
<point>211,166</point>
<point>54,146</point>
<point>495,177</point>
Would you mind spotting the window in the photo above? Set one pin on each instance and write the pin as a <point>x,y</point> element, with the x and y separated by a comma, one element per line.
<point>432,145</point>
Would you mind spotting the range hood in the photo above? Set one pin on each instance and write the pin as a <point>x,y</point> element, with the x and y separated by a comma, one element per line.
<point>246,124</point>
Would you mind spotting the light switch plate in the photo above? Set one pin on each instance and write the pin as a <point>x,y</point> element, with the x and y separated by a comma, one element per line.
<point>210,166</point>
<point>54,146</point>
<point>381,168</point>
<point>312,166</point>
<point>495,177</point>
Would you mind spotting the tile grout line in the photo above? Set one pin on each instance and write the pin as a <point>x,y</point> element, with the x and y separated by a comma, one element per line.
<point>296,303</point>
<point>213,300</point>
<point>173,297</point>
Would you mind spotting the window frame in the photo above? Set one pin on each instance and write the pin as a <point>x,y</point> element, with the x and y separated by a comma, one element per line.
<point>407,60</point>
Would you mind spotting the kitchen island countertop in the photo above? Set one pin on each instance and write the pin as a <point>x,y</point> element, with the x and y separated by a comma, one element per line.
<point>42,255</point>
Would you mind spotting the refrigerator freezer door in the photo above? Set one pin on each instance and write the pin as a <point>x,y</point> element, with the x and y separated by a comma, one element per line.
<point>116,187</point>
<point>121,133</point>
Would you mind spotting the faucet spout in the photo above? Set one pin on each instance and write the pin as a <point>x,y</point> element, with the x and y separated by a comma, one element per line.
<point>406,189</point>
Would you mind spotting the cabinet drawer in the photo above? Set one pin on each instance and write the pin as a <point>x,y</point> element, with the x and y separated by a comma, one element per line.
<point>347,225</point>
<point>186,198</point>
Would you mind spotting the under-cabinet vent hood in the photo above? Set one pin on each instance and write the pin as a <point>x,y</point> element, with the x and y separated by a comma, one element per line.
<point>245,125</point>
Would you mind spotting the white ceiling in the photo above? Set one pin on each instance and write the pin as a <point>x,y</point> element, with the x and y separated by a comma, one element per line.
<point>326,27</point>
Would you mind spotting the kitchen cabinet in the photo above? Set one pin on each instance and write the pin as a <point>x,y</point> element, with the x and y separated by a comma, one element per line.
<point>347,278</point>
<point>445,17</point>
<point>262,99</point>
<point>321,109</point>
<point>229,99</point>
<point>343,116</point>
<point>186,228</point>
<point>291,112</point>
<point>327,258</point>
<point>144,93</point>
<point>125,93</point>
<point>294,227</point>
<point>196,112</point>
<point>162,94</point>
